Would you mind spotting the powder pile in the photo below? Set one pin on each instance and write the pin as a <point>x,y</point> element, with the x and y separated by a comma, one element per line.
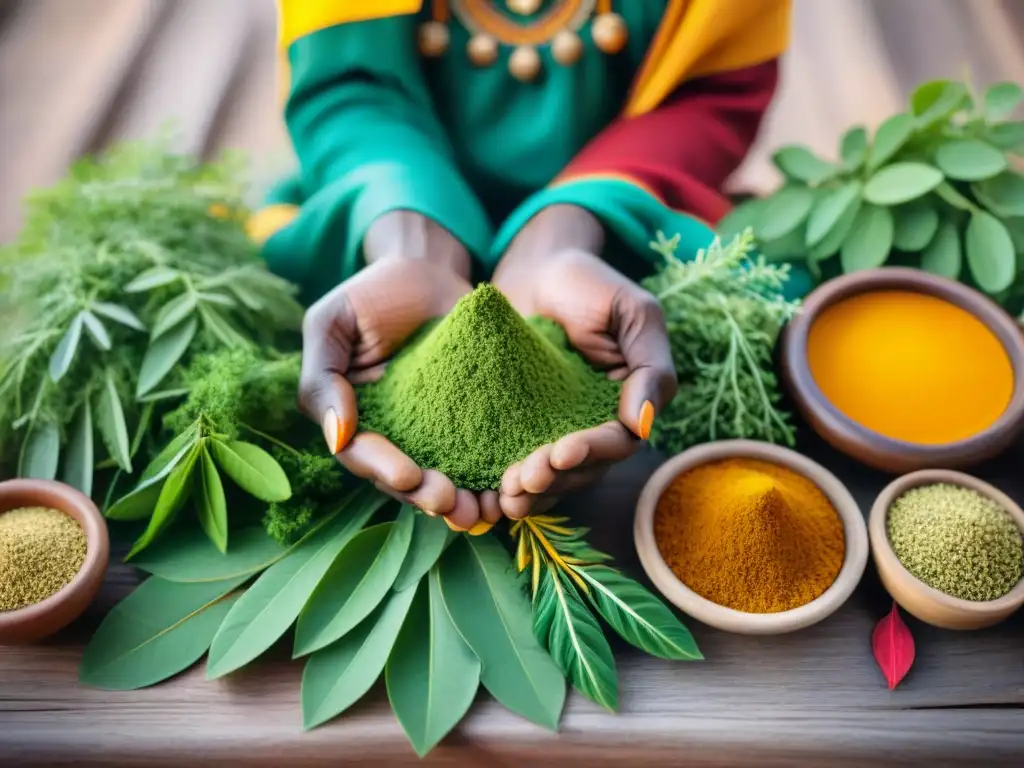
<point>482,388</point>
<point>957,541</point>
<point>750,535</point>
<point>41,550</point>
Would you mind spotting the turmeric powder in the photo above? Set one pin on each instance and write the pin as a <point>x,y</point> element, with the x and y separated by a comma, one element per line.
<point>750,535</point>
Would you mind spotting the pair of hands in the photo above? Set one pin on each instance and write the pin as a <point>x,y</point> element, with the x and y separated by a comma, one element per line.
<point>418,271</point>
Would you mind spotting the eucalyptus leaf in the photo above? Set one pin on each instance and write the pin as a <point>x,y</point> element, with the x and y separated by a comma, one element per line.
<point>800,164</point>
<point>1009,136</point>
<point>430,536</point>
<point>156,277</point>
<point>853,148</point>
<point>492,613</point>
<point>64,354</point>
<point>889,139</point>
<point>111,423</point>
<point>990,253</point>
<point>786,210</point>
<point>79,462</point>
<point>173,313</point>
<point>970,160</point>
<point>141,501</point>
<point>354,585</point>
<point>935,101</point>
<point>254,470</point>
<point>211,505</point>
<point>41,452</point>
<point>432,674</point>
<point>1001,99</point>
<point>951,195</point>
<point>833,241</point>
<point>901,183</point>
<point>916,224</point>
<point>163,353</point>
<point>337,676</point>
<point>1003,194</point>
<point>244,295</point>
<point>171,452</point>
<point>944,256</point>
<point>743,216</point>
<point>827,213</point>
<point>222,328</point>
<point>870,239</point>
<point>118,314</point>
<point>159,630</point>
<point>172,498</point>
<point>97,331</point>
<point>187,555</point>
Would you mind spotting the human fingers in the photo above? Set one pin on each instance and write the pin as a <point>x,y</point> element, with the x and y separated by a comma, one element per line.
<point>518,507</point>
<point>511,481</point>
<point>490,508</point>
<point>373,457</point>
<point>466,512</point>
<point>435,495</point>
<point>608,442</point>
<point>537,473</point>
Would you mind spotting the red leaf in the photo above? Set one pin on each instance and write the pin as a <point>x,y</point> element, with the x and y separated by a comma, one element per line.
<point>893,646</point>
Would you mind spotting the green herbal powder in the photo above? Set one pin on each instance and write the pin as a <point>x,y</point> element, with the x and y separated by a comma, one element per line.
<point>41,550</point>
<point>482,388</point>
<point>957,540</point>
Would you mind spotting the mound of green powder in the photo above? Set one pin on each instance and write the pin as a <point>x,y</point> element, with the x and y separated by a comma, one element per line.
<point>482,388</point>
<point>957,541</point>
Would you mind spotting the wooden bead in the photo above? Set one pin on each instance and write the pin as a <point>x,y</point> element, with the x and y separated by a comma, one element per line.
<point>524,63</point>
<point>523,7</point>
<point>482,50</point>
<point>610,32</point>
<point>567,48</point>
<point>433,39</point>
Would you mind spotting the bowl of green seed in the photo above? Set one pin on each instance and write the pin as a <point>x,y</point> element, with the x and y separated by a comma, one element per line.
<point>949,548</point>
<point>54,549</point>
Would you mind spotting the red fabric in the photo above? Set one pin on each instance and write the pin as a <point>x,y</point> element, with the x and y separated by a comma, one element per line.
<point>685,149</point>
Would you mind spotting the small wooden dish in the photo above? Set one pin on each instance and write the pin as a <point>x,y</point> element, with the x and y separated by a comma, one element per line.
<point>42,619</point>
<point>728,619</point>
<point>917,598</point>
<point>861,443</point>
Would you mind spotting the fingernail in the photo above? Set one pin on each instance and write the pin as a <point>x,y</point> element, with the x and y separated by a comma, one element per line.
<point>331,425</point>
<point>453,526</point>
<point>480,528</point>
<point>646,420</point>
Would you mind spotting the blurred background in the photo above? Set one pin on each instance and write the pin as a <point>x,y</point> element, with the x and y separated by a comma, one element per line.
<point>78,74</point>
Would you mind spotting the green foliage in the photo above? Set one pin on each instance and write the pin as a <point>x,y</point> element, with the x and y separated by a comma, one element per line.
<point>316,484</point>
<point>935,186</point>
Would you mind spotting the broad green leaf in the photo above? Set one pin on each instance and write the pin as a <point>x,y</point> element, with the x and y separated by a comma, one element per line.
<point>870,239</point>
<point>740,218</point>
<point>64,354</point>
<point>949,193</point>
<point>97,331</point>
<point>222,328</point>
<point>800,164</point>
<point>113,430</point>
<point>833,241</point>
<point>943,256</point>
<point>970,160</point>
<point>916,224</point>
<point>827,213</point>
<point>430,536</point>
<point>244,295</point>
<point>1003,194</point>
<point>173,313</point>
<point>273,602</point>
<point>901,183</point>
<point>163,353</point>
<point>1001,99</point>
<point>79,463</point>
<point>41,452</point>
<point>564,624</point>
<point>937,100</point>
<point>1015,226</point>
<point>784,211</point>
<point>889,139</point>
<point>254,470</point>
<point>118,314</point>
<point>172,498</point>
<point>853,148</point>
<point>337,676</point>
<point>141,501</point>
<point>990,253</point>
<point>355,584</point>
<point>493,614</point>
<point>152,278</point>
<point>187,555</point>
<point>787,248</point>
<point>432,675</point>
<point>219,299</point>
<point>211,505</point>
<point>159,630</point>
<point>1008,136</point>
<point>640,618</point>
<point>170,452</point>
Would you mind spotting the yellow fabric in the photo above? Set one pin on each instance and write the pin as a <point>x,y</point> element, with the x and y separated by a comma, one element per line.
<point>266,222</point>
<point>704,37</point>
<point>298,18</point>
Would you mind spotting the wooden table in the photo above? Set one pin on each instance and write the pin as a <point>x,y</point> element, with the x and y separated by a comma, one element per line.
<point>811,698</point>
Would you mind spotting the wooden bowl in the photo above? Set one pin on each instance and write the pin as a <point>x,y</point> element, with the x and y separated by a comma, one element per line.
<point>861,443</point>
<point>917,598</point>
<point>42,619</point>
<point>729,619</point>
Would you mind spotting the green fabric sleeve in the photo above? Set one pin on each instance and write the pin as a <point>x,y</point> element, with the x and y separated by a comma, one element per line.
<point>368,142</point>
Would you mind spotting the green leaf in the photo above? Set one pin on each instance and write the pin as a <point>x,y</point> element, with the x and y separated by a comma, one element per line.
<point>1001,99</point>
<point>156,277</point>
<point>1003,194</point>
<point>853,148</point>
<point>113,430</point>
<point>159,630</point>
<point>354,585</point>
<point>222,328</point>
<point>163,353</point>
<point>901,183</point>
<point>492,613</point>
<point>274,601</point>
<point>254,470</point>
<point>1009,136</point>
<point>990,253</point>
<point>787,248</point>
<point>78,461</point>
<point>870,239</point>
<point>969,160</point>
<point>97,331</point>
<point>432,675</point>
<point>141,501</point>
<point>740,218</point>
<point>564,624</point>
<point>211,505</point>
<point>338,676</point>
<point>172,498</point>
<point>936,101</point>
<point>170,452</point>
<point>943,255</point>
<point>187,555</point>
<point>889,139</point>
<point>949,193</point>
<point>833,241</point>
<point>64,354</point>
<point>829,210</point>
<point>800,164</point>
<point>786,210</point>
<point>174,312</point>
<point>118,314</point>
<point>430,536</point>
<point>41,452</point>
<point>1015,226</point>
<point>244,295</point>
<point>916,224</point>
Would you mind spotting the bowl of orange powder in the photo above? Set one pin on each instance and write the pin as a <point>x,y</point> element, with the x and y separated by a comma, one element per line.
<point>903,370</point>
<point>750,537</point>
